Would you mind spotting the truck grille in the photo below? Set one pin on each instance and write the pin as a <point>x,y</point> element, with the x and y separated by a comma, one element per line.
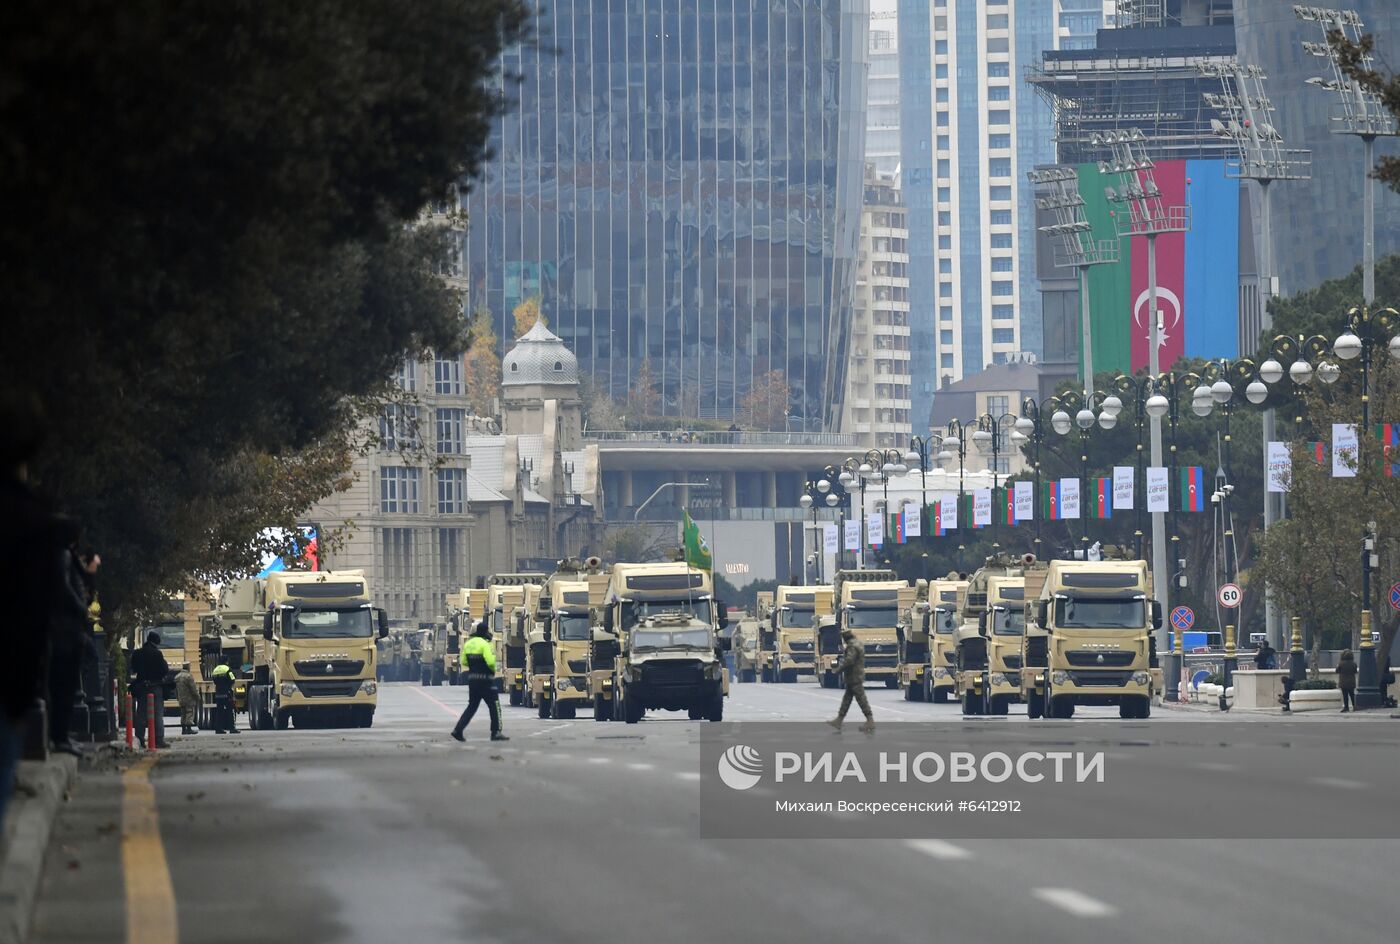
<point>578,666</point>
<point>672,673</point>
<point>802,646</point>
<point>1036,647</point>
<point>1090,659</point>
<point>329,667</point>
<point>313,688</point>
<point>1105,679</point>
<point>881,662</point>
<point>877,648</point>
<point>1012,660</point>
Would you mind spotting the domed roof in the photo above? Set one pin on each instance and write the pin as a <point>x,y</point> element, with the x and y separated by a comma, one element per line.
<point>539,357</point>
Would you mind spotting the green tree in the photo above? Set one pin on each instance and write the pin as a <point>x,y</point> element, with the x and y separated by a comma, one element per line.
<point>482,375</point>
<point>638,543</point>
<point>1352,57</point>
<point>207,255</point>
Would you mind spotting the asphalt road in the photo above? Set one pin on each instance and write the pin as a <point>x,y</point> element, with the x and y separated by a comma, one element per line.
<point>582,831</point>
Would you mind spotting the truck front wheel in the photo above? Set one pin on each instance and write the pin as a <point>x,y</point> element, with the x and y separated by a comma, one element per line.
<point>280,719</point>
<point>716,710</point>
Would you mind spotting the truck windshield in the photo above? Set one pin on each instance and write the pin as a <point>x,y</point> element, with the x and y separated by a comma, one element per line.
<point>945,620</point>
<point>634,611</point>
<point>172,635</point>
<point>796,619</point>
<point>664,639</point>
<point>573,626</point>
<point>498,621</point>
<point>1007,622</point>
<point>870,617</point>
<point>1100,613</point>
<point>326,624</point>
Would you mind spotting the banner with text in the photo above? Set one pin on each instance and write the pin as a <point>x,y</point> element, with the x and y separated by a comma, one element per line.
<point>1159,493</point>
<point>1344,448</point>
<point>1025,501</point>
<point>1280,466</point>
<point>1124,485</point>
<point>1069,498</point>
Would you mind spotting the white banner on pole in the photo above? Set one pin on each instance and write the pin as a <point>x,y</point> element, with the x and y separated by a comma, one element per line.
<point>1069,498</point>
<point>1280,466</point>
<point>829,541</point>
<point>948,512</point>
<point>1344,449</point>
<point>852,535</point>
<point>981,507</point>
<point>1025,501</point>
<point>913,522</point>
<point>1124,487</point>
<point>875,529</point>
<point>1159,494</point>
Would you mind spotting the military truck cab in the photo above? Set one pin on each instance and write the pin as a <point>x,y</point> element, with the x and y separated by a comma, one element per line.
<point>506,595</point>
<point>794,617</point>
<point>913,645</point>
<point>943,625</point>
<point>666,624</point>
<point>870,603</point>
<point>992,623</point>
<point>559,646</point>
<point>1097,619</point>
<point>767,648</point>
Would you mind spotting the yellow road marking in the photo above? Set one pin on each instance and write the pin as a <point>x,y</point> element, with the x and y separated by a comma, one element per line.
<point>150,898</point>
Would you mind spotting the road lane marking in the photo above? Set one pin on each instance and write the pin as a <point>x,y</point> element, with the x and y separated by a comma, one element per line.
<point>600,760</point>
<point>554,727</point>
<point>1339,782</point>
<point>641,766</point>
<point>1075,902</point>
<point>688,775</point>
<point>441,704</point>
<point>938,849</point>
<point>150,897</point>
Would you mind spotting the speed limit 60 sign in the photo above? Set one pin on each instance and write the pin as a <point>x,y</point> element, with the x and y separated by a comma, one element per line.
<point>1230,596</point>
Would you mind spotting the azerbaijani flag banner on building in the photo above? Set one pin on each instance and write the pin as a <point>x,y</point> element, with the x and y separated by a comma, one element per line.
<point>1193,488</point>
<point>1197,271</point>
<point>1004,509</point>
<point>1102,498</point>
<point>1050,501</point>
<point>1389,435</point>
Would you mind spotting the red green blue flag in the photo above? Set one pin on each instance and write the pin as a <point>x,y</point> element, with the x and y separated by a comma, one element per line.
<point>1005,502</point>
<point>897,528</point>
<point>1193,488</point>
<point>935,512</point>
<point>1103,498</point>
<point>1389,435</point>
<point>1319,452</point>
<point>1050,501</point>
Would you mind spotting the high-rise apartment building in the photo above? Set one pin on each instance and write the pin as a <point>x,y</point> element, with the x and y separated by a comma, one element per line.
<point>970,129</point>
<point>878,378</point>
<point>680,184</point>
<point>882,92</point>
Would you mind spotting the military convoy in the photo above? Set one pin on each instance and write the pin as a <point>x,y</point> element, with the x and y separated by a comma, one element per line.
<point>793,616</point>
<point>870,603</point>
<point>559,636</point>
<point>988,638</point>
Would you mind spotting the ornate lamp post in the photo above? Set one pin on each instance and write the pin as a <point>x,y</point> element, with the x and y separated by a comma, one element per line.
<point>1140,389</point>
<point>853,475</point>
<point>1367,329</point>
<point>1031,427</point>
<point>815,495</point>
<point>987,437</point>
<point>1085,418</point>
<point>955,445</point>
<point>836,498</point>
<point>919,449</point>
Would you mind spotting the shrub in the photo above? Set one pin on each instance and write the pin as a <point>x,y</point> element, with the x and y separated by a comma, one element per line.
<point>1314,685</point>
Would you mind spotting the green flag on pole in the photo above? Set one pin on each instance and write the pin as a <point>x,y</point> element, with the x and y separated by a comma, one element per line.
<point>697,551</point>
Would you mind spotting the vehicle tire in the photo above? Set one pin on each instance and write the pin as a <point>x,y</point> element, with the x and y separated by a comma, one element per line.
<point>1145,711</point>
<point>632,710</point>
<point>568,711</point>
<point>1035,706</point>
<point>1061,707</point>
<point>281,719</point>
<point>940,696</point>
<point>716,712</point>
<point>891,682</point>
<point>516,698</point>
<point>1000,704</point>
<point>971,704</point>
<point>909,692</point>
<point>789,676</point>
<point>544,707</point>
<point>696,714</point>
<point>747,675</point>
<point>1135,708</point>
<point>426,677</point>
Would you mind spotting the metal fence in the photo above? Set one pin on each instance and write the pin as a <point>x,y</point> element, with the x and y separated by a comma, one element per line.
<point>722,439</point>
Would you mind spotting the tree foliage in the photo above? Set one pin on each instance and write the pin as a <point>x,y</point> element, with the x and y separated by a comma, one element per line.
<point>638,543</point>
<point>205,249</point>
<point>526,314</point>
<point>1385,84</point>
<point>765,406</point>
<point>481,377</point>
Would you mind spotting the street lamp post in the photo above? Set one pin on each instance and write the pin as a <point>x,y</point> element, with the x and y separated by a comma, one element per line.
<point>955,444</point>
<point>987,438</point>
<point>919,452</point>
<point>814,495</point>
<point>1031,426</point>
<point>1367,328</point>
<point>1141,389</point>
<point>853,474</point>
<point>1085,418</point>
<point>836,498</point>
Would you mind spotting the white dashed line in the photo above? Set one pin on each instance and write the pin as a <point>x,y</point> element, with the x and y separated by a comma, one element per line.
<point>600,760</point>
<point>641,767</point>
<point>1340,783</point>
<point>1216,767</point>
<point>1075,902</point>
<point>554,727</point>
<point>687,775</point>
<point>938,849</point>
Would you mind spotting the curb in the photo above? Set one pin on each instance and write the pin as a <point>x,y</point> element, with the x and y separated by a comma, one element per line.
<point>40,790</point>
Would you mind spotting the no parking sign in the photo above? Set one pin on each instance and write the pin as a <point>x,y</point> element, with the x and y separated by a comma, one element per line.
<point>1183,618</point>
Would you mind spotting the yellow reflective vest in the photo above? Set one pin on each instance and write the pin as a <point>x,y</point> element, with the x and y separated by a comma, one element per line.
<point>481,648</point>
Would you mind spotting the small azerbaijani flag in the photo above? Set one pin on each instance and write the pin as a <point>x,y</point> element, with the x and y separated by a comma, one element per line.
<point>1318,451</point>
<point>1193,488</point>
<point>1389,435</point>
<point>1050,499</point>
<point>897,528</point>
<point>1006,505</point>
<point>1103,498</point>
<point>968,511</point>
<point>936,515</point>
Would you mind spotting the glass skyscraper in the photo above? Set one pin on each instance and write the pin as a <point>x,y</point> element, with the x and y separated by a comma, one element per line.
<point>679,181</point>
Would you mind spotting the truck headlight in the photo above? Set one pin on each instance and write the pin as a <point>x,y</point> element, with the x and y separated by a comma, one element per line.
<point>368,687</point>
<point>940,672</point>
<point>998,678</point>
<point>713,670</point>
<point>562,685</point>
<point>1058,677</point>
<point>1141,678</point>
<point>288,689</point>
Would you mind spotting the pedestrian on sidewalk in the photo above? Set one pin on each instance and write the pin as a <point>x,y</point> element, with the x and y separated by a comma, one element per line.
<point>1346,679</point>
<point>852,669</point>
<point>1264,658</point>
<point>479,661</point>
<point>69,631</point>
<point>188,695</point>
<point>148,669</point>
<point>223,678</point>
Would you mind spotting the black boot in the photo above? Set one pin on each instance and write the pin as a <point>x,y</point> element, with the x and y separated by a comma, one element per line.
<point>457,734</point>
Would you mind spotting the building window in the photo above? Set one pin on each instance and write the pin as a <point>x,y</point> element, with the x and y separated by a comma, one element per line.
<point>1001,264</point>
<point>940,71</point>
<point>940,47</point>
<point>999,116</point>
<point>1003,312</point>
<point>447,375</point>
<point>945,218</point>
<point>996,21</point>
<point>450,542</point>
<point>945,313</point>
<point>945,195</point>
<point>1001,218</point>
<point>942,142</point>
<point>452,491</point>
<point>407,375</point>
<point>1003,288</point>
<point>449,431</point>
<point>945,289</point>
<point>1001,240</point>
<point>998,70</point>
<point>945,338</point>
<point>1000,193</point>
<point>1003,335</point>
<point>998,45</point>
<point>996,141</point>
<point>945,360</point>
<point>945,242</point>
<point>942,119</point>
<point>999,166</point>
<point>945,266</point>
<point>999,93</point>
<point>398,428</point>
<point>944,167</point>
<point>998,405</point>
<point>399,490</point>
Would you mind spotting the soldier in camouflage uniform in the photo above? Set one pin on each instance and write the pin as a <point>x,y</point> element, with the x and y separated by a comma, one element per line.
<point>852,669</point>
<point>188,695</point>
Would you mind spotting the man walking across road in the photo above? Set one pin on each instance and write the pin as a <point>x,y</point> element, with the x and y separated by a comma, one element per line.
<point>852,669</point>
<point>149,668</point>
<point>188,695</point>
<point>479,662</point>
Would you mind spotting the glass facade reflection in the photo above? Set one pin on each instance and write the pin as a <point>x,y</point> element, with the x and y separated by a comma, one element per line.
<point>680,183</point>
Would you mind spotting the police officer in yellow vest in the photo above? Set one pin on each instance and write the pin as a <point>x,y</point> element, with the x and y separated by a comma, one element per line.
<point>223,679</point>
<point>479,662</point>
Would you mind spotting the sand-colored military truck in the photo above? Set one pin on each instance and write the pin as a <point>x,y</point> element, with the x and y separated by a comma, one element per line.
<point>743,643</point>
<point>991,615</point>
<point>913,645</point>
<point>506,605</point>
<point>316,667</point>
<point>1097,620</point>
<point>794,617</point>
<point>872,604</point>
<point>767,635</point>
<point>943,622</point>
<point>559,639</point>
<point>665,622</point>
